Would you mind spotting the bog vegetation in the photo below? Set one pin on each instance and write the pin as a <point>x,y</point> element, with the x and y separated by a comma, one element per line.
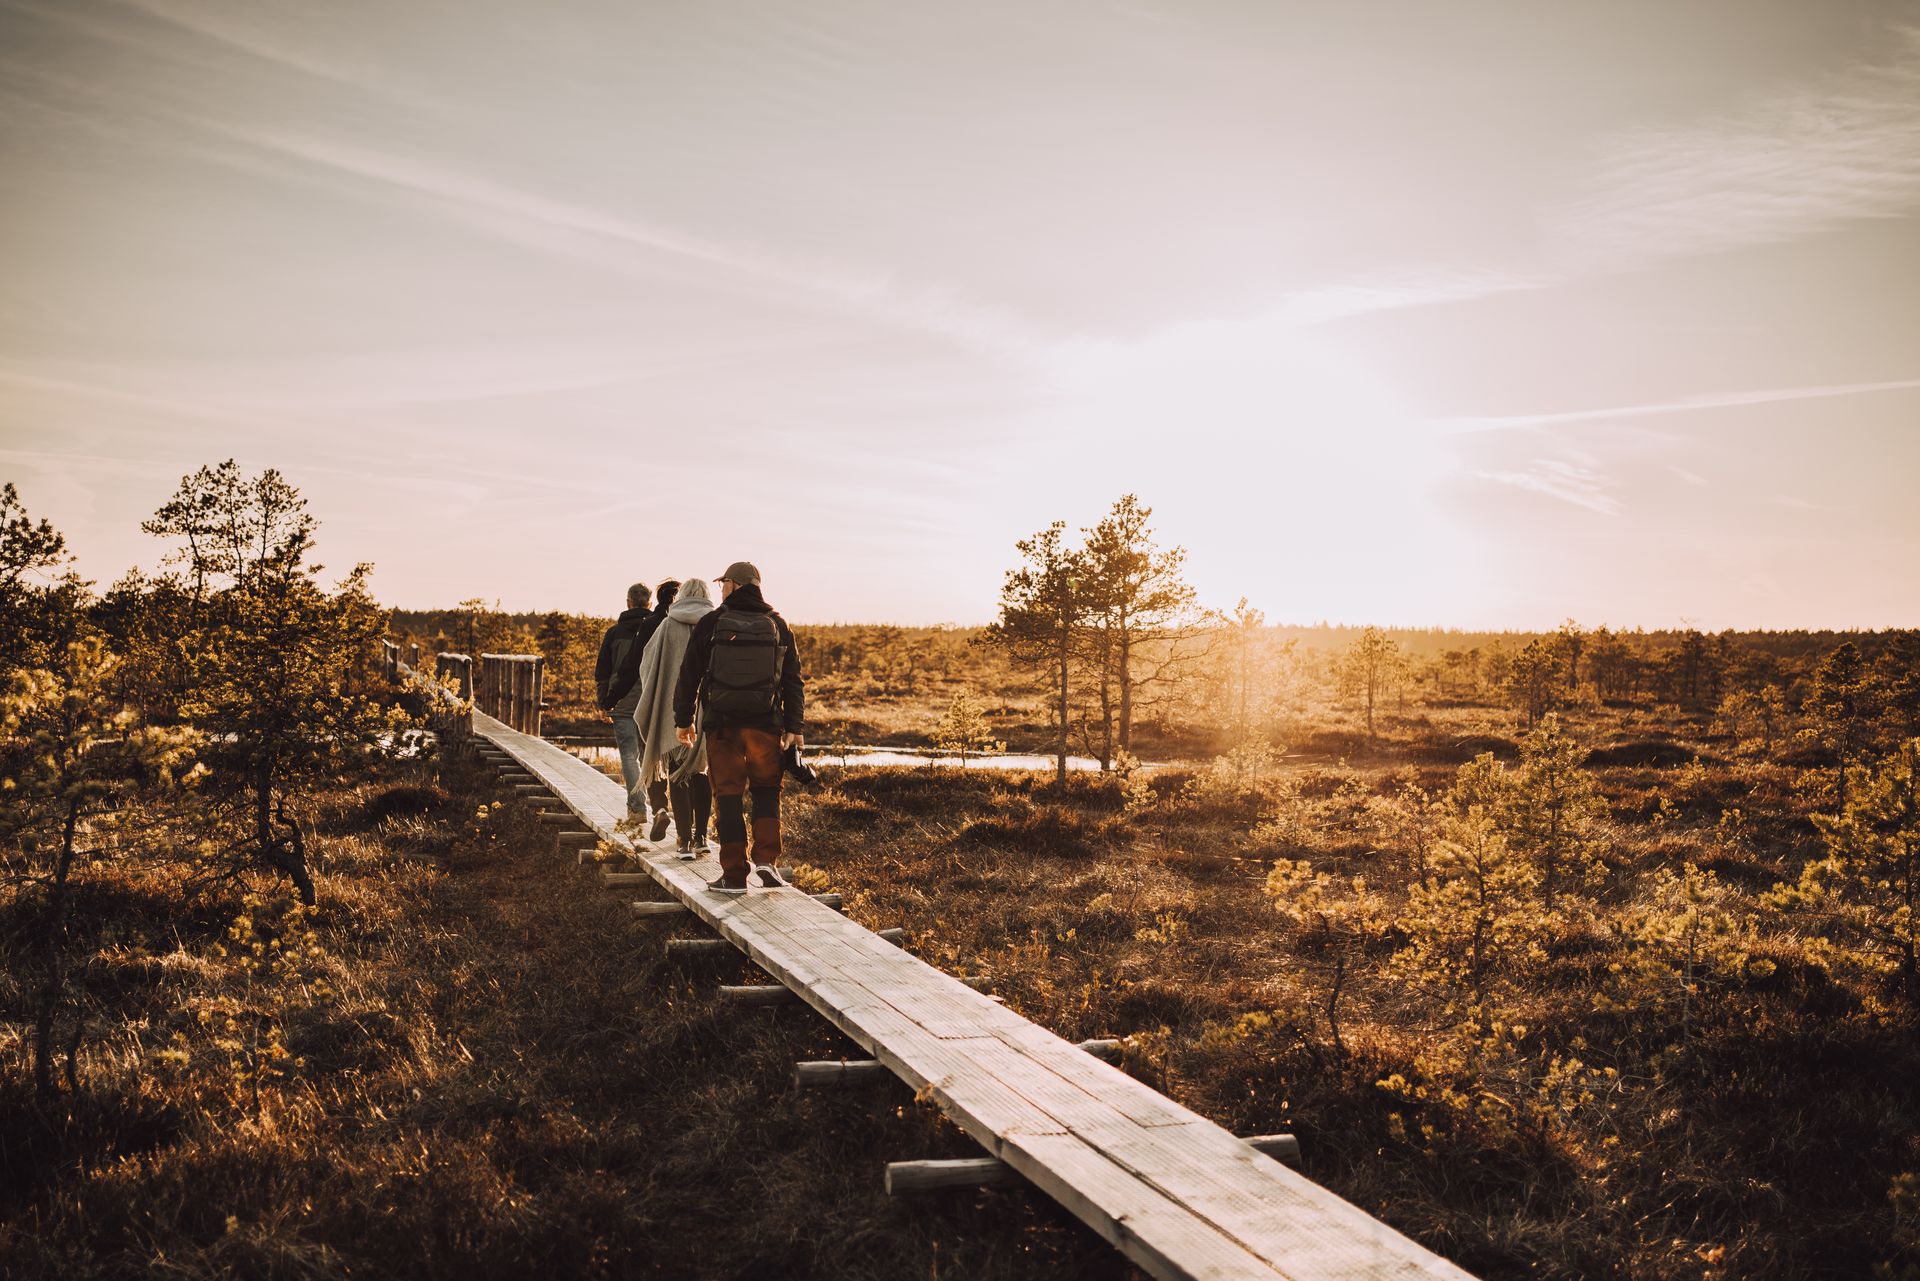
<point>1573,954</point>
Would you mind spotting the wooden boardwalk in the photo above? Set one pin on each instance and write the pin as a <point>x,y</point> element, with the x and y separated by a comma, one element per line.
<point>1177,1194</point>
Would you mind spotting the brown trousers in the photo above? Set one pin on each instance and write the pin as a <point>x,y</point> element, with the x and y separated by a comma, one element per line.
<point>740,760</point>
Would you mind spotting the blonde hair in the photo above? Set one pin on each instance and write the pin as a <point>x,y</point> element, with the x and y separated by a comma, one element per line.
<point>695,589</point>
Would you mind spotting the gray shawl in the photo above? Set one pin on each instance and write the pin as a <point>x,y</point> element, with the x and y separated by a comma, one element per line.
<point>659,672</point>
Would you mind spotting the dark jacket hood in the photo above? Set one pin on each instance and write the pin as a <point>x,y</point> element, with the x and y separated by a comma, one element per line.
<point>747,599</point>
<point>631,616</point>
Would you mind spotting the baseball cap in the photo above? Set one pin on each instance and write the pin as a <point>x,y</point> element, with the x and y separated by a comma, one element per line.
<point>742,574</point>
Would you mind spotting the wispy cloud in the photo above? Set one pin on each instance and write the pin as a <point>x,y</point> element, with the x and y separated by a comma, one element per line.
<point>1801,159</point>
<point>124,418</point>
<point>556,226</point>
<point>307,384</point>
<point>1393,289</point>
<point>259,41</point>
<point>513,210</point>
<point>1681,405</point>
<point>1561,479</point>
<point>1776,168</point>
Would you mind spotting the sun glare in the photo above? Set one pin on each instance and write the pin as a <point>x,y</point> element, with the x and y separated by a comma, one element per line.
<point>1292,465</point>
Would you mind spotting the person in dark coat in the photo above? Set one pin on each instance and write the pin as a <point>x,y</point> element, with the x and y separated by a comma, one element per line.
<point>616,682</point>
<point>742,675</point>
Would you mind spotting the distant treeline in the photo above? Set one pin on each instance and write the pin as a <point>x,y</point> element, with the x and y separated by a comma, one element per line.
<point>1241,679</point>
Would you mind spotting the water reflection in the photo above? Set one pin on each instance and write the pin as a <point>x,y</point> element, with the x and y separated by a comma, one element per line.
<point>888,756</point>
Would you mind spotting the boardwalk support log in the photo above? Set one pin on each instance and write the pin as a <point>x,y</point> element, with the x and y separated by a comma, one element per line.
<point>691,949</point>
<point>985,1171</point>
<point>832,1074</point>
<point>699,949</point>
<point>962,1172</point>
<point>644,908</point>
<point>759,994</point>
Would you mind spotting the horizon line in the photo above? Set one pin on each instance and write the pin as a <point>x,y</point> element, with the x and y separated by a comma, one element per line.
<point>1676,629</point>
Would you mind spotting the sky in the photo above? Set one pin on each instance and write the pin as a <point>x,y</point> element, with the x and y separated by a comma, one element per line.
<point>1478,314</point>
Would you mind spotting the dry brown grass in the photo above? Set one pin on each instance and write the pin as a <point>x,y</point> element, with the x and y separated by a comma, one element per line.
<point>1761,1145</point>
<point>509,1081</point>
<point>508,1078</point>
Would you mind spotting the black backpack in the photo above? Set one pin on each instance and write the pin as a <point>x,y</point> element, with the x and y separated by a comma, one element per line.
<point>743,671</point>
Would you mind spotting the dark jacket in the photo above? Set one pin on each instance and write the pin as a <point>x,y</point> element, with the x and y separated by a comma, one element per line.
<point>616,673</point>
<point>788,716</point>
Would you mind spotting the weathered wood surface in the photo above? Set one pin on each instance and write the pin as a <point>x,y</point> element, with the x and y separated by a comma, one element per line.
<point>836,1073</point>
<point>1177,1194</point>
<point>985,1171</point>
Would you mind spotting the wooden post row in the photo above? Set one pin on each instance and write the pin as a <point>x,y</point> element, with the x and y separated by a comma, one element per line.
<point>511,688</point>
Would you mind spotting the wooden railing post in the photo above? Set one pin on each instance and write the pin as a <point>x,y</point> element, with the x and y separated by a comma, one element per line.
<point>390,660</point>
<point>510,688</point>
<point>536,695</point>
<point>458,669</point>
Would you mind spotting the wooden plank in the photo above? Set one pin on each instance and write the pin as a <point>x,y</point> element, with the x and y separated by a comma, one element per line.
<point>985,1171</point>
<point>837,1073</point>
<point>1138,1101</point>
<point>1162,1236</point>
<point>1220,1179</point>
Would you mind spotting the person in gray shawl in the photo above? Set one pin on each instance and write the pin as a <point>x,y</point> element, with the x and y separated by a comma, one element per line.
<point>689,792</point>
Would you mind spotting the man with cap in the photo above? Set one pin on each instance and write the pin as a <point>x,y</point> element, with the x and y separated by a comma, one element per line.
<point>742,672</point>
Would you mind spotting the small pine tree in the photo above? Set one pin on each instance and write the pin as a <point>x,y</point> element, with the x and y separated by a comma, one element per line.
<point>1480,784</point>
<point>1573,642</point>
<point>1342,921</point>
<point>1552,809</point>
<point>276,661</point>
<point>963,728</point>
<point>1143,610</point>
<point>1043,614</point>
<point>41,607</point>
<point>1368,668</point>
<point>69,752</point>
<point>1899,680</point>
<point>1533,680</point>
<point>1867,888</point>
<point>1842,708</point>
<point>1479,920</point>
<point>1679,936</point>
<point>1414,819</point>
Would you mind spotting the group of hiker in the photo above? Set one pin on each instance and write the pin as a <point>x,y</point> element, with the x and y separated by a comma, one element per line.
<point>708,709</point>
